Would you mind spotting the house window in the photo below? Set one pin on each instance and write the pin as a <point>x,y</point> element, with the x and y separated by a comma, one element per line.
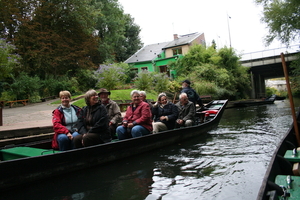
<point>144,68</point>
<point>164,69</point>
<point>177,51</point>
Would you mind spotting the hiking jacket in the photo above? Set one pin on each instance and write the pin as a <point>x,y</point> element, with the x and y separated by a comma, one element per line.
<point>140,116</point>
<point>59,123</point>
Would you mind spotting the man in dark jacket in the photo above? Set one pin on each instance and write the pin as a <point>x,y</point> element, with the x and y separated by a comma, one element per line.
<point>191,93</point>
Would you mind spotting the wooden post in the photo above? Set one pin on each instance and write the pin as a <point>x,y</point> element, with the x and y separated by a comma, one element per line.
<point>1,117</point>
<point>174,99</point>
<point>290,98</point>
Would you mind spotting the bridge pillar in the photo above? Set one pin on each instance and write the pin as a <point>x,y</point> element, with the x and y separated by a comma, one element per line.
<point>258,86</point>
<point>252,96</point>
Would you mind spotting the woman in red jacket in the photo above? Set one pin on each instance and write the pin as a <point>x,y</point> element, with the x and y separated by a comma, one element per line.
<point>138,119</point>
<point>64,119</point>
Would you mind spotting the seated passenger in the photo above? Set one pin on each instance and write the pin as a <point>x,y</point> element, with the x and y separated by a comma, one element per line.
<point>186,108</point>
<point>143,97</point>
<point>137,120</point>
<point>113,111</point>
<point>165,114</point>
<point>92,122</point>
<point>64,119</point>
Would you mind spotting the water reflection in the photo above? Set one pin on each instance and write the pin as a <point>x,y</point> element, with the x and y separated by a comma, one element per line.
<point>227,163</point>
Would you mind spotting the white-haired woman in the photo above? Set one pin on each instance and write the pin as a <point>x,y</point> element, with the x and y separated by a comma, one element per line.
<point>143,96</point>
<point>92,122</point>
<point>137,120</point>
<point>165,114</point>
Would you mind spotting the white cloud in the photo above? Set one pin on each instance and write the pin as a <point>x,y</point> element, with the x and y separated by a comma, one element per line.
<point>160,19</point>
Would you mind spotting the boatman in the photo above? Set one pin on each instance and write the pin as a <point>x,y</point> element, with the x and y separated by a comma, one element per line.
<point>191,93</point>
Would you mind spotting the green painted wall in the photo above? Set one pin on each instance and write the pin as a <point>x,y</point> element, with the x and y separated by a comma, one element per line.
<point>143,64</point>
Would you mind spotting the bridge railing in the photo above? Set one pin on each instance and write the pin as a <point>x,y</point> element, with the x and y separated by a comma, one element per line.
<point>270,52</point>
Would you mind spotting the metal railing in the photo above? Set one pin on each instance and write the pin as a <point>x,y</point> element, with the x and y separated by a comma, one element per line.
<point>270,52</point>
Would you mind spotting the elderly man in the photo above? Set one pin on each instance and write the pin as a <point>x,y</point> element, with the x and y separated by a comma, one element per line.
<point>186,110</point>
<point>113,111</point>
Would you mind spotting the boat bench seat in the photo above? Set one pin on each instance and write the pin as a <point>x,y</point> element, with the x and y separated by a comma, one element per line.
<point>23,152</point>
<point>291,183</point>
<point>293,156</point>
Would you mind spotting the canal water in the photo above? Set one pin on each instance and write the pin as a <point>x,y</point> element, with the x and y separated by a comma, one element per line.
<point>227,163</point>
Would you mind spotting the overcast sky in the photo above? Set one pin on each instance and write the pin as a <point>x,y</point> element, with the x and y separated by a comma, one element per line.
<point>160,19</point>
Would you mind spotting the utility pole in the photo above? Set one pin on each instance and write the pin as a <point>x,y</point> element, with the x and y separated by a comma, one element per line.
<point>228,17</point>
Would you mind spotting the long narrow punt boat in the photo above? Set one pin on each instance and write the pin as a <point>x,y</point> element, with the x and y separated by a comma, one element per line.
<point>255,102</point>
<point>282,180</point>
<point>35,161</point>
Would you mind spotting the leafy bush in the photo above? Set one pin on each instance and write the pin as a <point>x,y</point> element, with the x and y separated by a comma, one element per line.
<point>270,91</point>
<point>144,81</point>
<point>26,87</point>
<point>110,76</point>
<point>85,79</point>
<point>8,60</point>
<point>161,82</point>
<point>52,86</point>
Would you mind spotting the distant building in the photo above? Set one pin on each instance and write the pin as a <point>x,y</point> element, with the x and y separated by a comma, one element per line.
<point>155,57</point>
<point>279,85</point>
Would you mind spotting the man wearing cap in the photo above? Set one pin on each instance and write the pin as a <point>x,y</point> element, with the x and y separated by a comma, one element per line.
<point>192,94</point>
<point>113,111</point>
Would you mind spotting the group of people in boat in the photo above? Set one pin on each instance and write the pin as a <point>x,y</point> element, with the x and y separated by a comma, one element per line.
<point>101,120</point>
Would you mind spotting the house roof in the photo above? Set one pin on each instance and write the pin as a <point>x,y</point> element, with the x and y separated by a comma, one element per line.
<point>182,40</point>
<point>147,53</point>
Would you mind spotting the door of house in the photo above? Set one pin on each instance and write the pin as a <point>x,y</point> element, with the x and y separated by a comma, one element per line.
<point>164,69</point>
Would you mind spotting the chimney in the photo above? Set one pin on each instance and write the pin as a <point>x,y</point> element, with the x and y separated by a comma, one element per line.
<point>175,36</point>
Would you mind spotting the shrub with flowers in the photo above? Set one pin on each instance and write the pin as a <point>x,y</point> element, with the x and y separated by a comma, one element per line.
<point>110,76</point>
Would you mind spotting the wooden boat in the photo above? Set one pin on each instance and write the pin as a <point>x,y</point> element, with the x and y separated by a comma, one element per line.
<point>278,98</point>
<point>33,161</point>
<point>255,102</point>
<point>25,135</point>
<point>280,170</point>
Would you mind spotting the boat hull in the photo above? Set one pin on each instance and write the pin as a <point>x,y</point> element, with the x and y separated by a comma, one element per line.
<point>270,100</point>
<point>278,165</point>
<point>24,170</point>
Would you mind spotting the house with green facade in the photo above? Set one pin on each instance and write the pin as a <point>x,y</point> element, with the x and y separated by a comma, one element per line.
<point>155,57</point>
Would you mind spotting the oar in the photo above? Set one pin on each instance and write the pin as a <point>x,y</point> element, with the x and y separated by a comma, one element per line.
<point>291,98</point>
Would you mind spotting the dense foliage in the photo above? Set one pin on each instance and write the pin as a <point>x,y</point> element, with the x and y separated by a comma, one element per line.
<point>62,41</point>
<point>215,72</point>
<point>8,60</point>
<point>282,17</point>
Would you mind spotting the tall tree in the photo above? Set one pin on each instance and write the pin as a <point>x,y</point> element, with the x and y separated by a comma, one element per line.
<point>118,34</point>
<point>54,37</point>
<point>282,18</point>
<point>131,41</point>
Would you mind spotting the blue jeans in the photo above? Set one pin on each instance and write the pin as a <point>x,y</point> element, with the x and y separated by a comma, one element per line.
<point>136,131</point>
<point>64,143</point>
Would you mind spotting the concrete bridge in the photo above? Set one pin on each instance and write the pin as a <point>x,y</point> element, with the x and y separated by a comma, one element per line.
<point>266,65</point>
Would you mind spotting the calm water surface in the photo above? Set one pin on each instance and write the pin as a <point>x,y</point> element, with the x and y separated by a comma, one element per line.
<point>227,163</point>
